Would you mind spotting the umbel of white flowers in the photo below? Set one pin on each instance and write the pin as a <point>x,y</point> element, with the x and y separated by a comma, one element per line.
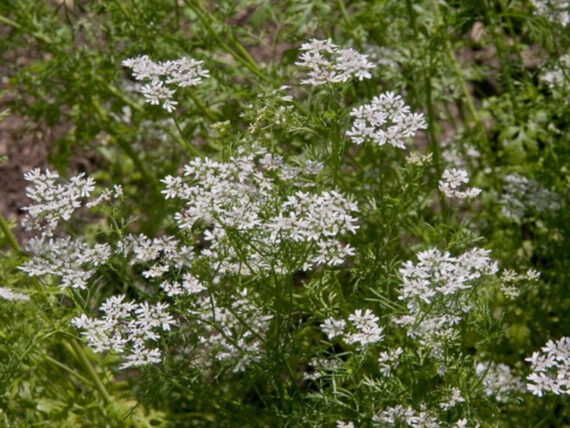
<point>550,368</point>
<point>241,195</point>
<point>329,64</point>
<point>161,78</point>
<point>385,120</point>
<point>440,282</point>
<point>452,180</point>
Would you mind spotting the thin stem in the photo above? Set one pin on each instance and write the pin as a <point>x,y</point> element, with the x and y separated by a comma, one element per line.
<point>67,369</point>
<point>9,235</point>
<point>459,73</point>
<point>211,115</point>
<point>80,354</point>
<point>343,11</point>
<point>434,144</point>
<point>186,144</point>
<point>245,58</point>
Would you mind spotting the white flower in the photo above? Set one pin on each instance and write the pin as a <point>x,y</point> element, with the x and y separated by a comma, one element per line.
<point>454,398</point>
<point>9,294</point>
<point>225,336</point>
<point>161,76</point>
<point>329,64</point>
<point>522,195</point>
<point>72,260</point>
<point>386,120</point>
<point>241,194</point>
<point>498,381</point>
<point>389,360</point>
<point>450,182</point>
<point>367,329</point>
<point>127,328</point>
<point>440,282</point>
<point>333,328</point>
<point>363,331</point>
<point>192,285</point>
<point>550,368</point>
<point>405,416</point>
<point>55,200</point>
<point>557,11</point>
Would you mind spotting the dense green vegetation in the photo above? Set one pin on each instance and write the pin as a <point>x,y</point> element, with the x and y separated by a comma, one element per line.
<point>295,213</point>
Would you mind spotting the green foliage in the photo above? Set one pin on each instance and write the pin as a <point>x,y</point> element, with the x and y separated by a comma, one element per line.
<point>476,70</point>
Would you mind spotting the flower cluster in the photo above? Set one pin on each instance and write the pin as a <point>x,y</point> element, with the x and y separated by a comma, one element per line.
<point>329,64</point>
<point>510,281</point>
<point>322,367</point>
<point>389,360</point>
<point>406,416</point>
<point>386,120</point>
<point>364,328</point>
<point>9,294</point>
<point>452,180</point>
<point>249,221</point>
<point>557,11</point>
<point>158,255</point>
<point>71,259</point>
<point>160,77</point>
<point>557,76</point>
<point>550,368</point>
<point>459,156</point>
<point>521,195</point>
<point>438,281</point>
<point>498,380</point>
<point>452,399</point>
<point>54,200</point>
<point>224,333</point>
<point>127,328</point>
<point>272,107</point>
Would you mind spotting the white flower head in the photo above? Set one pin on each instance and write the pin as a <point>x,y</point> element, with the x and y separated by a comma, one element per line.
<point>162,78</point>
<point>386,120</point>
<point>452,180</point>
<point>329,64</point>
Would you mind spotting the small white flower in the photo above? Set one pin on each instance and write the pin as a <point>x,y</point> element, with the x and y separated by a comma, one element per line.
<point>550,368</point>
<point>161,76</point>
<point>386,120</point>
<point>450,182</point>
<point>9,294</point>
<point>333,328</point>
<point>329,64</point>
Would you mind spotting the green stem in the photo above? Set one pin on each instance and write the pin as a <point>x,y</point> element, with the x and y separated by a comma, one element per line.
<point>211,115</point>
<point>245,58</point>
<point>459,73</point>
<point>125,146</point>
<point>9,235</point>
<point>412,16</point>
<point>434,144</point>
<point>67,369</point>
<point>186,144</point>
<point>80,354</point>
<point>343,11</point>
